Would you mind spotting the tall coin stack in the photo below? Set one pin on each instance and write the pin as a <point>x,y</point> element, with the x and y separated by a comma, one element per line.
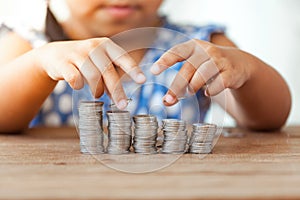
<point>145,134</point>
<point>202,137</point>
<point>175,136</point>
<point>90,127</point>
<point>119,132</point>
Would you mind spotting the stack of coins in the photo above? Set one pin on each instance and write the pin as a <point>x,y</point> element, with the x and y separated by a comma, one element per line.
<point>145,134</point>
<point>90,127</point>
<point>202,138</point>
<point>175,136</point>
<point>119,132</point>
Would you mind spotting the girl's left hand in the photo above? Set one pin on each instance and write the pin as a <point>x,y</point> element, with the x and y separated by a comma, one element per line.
<point>219,67</point>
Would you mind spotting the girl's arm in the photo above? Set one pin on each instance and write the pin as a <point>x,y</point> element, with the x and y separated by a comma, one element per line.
<point>26,79</point>
<point>264,101</point>
<point>247,88</point>
<point>23,85</point>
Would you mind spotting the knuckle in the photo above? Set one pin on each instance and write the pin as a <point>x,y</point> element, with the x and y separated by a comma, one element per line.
<point>200,76</point>
<point>117,93</point>
<point>174,50</point>
<point>227,81</point>
<point>104,41</point>
<point>163,60</point>
<point>237,81</point>
<point>92,43</point>
<point>95,78</point>
<point>73,78</point>
<point>95,42</point>
<point>118,90</point>
<point>78,57</point>
<point>213,50</point>
<point>194,42</point>
<point>222,62</point>
<point>109,69</point>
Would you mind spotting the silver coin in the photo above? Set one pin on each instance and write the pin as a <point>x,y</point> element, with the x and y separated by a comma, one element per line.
<point>174,136</point>
<point>202,137</point>
<point>145,134</point>
<point>119,132</point>
<point>90,127</point>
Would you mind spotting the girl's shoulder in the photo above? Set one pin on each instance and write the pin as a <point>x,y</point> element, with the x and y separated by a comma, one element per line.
<point>29,32</point>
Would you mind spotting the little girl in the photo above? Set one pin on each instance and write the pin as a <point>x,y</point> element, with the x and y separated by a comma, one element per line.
<point>103,42</point>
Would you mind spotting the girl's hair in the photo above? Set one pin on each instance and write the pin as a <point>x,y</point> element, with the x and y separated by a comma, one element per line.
<point>53,29</point>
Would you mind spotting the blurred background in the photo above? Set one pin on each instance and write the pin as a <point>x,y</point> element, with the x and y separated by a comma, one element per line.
<point>269,29</point>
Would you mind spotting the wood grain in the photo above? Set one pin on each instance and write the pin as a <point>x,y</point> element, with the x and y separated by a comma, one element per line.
<point>46,163</point>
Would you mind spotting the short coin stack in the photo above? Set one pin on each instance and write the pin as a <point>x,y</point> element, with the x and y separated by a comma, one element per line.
<point>119,132</point>
<point>202,138</point>
<point>175,136</point>
<point>145,134</point>
<point>90,127</point>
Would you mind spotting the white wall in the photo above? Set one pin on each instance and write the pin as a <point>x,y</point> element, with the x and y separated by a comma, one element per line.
<point>269,29</point>
<point>23,11</point>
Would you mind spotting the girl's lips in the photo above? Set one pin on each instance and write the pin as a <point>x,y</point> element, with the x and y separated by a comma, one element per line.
<point>120,11</point>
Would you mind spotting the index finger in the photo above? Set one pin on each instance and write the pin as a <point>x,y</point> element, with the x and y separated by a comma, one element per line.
<point>176,54</point>
<point>192,51</point>
<point>110,76</point>
<point>121,58</point>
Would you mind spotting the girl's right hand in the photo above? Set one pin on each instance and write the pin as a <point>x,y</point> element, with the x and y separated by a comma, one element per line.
<point>92,60</point>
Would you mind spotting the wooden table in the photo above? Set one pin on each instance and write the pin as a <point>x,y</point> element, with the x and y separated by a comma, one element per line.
<point>46,163</point>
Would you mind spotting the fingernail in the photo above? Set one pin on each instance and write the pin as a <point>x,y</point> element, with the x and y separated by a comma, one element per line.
<point>155,69</point>
<point>169,99</point>
<point>140,78</point>
<point>122,104</point>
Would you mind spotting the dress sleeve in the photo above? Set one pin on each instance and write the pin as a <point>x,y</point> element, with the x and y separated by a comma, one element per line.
<point>35,37</point>
<point>4,29</point>
<point>205,32</point>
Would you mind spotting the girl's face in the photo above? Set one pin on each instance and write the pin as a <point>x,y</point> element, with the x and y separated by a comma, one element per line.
<point>108,17</point>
